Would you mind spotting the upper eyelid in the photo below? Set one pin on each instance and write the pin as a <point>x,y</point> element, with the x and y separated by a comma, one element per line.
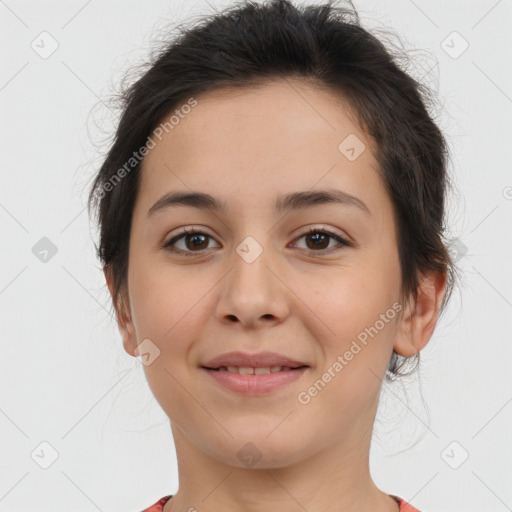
<point>193,230</point>
<point>187,231</point>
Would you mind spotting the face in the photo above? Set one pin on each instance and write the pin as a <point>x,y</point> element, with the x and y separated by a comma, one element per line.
<point>251,278</point>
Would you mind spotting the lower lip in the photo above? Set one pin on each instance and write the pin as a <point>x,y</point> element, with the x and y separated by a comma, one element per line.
<point>254,384</point>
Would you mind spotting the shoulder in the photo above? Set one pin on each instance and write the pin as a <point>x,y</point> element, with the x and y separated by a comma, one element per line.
<point>404,506</point>
<point>159,505</point>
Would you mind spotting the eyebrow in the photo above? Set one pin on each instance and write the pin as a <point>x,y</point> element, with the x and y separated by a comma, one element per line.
<point>285,203</point>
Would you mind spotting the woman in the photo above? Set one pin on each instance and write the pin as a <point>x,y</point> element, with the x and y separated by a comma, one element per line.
<point>271,217</point>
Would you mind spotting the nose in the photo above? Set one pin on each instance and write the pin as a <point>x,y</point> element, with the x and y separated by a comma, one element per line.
<point>252,293</point>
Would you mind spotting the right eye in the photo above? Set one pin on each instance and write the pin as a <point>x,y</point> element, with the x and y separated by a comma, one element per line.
<point>192,238</point>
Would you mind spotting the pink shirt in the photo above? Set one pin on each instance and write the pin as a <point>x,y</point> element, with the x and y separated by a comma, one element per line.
<point>159,505</point>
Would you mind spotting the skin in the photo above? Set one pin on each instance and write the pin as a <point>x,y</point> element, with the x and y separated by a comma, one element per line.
<point>247,147</point>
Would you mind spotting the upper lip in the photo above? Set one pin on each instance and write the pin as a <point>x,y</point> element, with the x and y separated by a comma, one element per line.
<point>256,360</point>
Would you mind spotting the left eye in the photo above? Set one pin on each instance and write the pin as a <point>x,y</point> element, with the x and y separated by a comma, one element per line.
<point>319,237</point>
<point>199,240</point>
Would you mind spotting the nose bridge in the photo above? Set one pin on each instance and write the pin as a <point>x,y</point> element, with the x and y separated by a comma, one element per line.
<point>250,274</point>
<point>251,290</point>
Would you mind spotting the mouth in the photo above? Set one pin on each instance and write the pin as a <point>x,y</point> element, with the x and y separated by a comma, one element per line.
<point>253,373</point>
<point>254,380</point>
<point>246,370</point>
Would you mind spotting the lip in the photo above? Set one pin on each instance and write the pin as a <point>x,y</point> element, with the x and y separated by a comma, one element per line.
<point>255,360</point>
<point>258,383</point>
<point>254,384</point>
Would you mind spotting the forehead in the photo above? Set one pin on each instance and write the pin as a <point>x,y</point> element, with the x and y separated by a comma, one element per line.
<point>260,141</point>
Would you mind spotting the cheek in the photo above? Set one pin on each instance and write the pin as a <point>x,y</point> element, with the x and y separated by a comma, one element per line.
<point>354,315</point>
<point>165,309</point>
<point>165,303</point>
<point>356,351</point>
<point>351,296</point>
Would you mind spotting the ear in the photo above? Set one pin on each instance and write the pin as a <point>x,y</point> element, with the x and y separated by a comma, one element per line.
<point>123,316</point>
<point>420,317</point>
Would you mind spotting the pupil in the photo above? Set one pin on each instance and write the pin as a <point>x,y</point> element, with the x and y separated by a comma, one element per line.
<point>317,238</point>
<point>195,237</point>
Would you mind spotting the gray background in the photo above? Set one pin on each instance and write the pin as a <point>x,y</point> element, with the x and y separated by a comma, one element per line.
<point>65,379</point>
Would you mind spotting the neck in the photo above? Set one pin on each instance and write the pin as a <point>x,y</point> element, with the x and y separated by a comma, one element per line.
<point>335,479</point>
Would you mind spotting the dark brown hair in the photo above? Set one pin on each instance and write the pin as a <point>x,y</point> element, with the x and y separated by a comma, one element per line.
<point>251,43</point>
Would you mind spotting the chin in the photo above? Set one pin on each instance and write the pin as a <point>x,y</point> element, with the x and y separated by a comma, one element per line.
<point>259,450</point>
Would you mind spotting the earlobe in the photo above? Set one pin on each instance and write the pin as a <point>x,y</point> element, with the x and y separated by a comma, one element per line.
<point>123,316</point>
<point>420,316</point>
<point>127,330</point>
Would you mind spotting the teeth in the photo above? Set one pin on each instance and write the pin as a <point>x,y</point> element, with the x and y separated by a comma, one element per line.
<point>243,370</point>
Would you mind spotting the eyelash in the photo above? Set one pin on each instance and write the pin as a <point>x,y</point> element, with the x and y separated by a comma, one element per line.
<point>191,231</point>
